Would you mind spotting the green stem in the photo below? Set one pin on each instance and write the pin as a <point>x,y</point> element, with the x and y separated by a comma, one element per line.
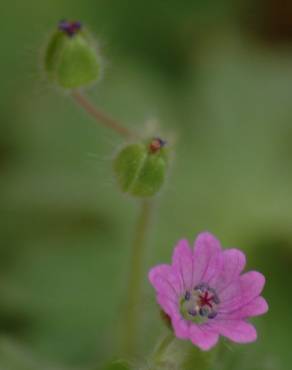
<point>100,116</point>
<point>135,279</point>
<point>162,348</point>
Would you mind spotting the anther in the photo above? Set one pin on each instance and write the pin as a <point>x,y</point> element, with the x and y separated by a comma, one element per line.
<point>212,315</point>
<point>156,144</point>
<point>203,287</point>
<point>70,28</point>
<point>204,311</point>
<point>216,300</point>
<point>192,312</point>
<point>187,296</point>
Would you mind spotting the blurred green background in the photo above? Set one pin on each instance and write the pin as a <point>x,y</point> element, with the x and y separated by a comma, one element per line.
<point>218,76</point>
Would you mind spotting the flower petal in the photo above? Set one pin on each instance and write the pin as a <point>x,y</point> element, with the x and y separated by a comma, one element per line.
<point>203,337</point>
<point>168,305</point>
<point>256,307</point>
<point>182,262</point>
<point>165,281</point>
<point>238,331</point>
<point>233,264</point>
<point>206,257</point>
<point>242,291</point>
<point>181,327</point>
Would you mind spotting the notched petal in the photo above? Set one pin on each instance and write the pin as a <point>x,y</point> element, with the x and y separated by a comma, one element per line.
<point>233,264</point>
<point>256,307</point>
<point>182,262</point>
<point>206,249</point>
<point>242,291</point>
<point>238,331</point>
<point>165,280</point>
<point>203,337</point>
<point>180,327</point>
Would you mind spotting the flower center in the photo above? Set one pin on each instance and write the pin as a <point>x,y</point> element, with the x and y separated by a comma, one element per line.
<point>199,304</point>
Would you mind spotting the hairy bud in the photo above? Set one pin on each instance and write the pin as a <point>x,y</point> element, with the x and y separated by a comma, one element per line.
<point>141,168</point>
<point>71,58</point>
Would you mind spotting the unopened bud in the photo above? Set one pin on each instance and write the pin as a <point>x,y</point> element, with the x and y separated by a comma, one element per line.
<point>141,168</point>
<point>71,58</point>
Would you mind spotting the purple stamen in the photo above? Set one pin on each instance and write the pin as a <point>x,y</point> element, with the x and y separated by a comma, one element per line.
<point>187,296</point>
<point>70,28</point>
<point>212,315</point>
<point>203,311</point>
<point>203,287</point>
<point>192,312</point>
<point>216,300</point>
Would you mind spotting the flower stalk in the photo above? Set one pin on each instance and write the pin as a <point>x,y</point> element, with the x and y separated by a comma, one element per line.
<point>135,278</point>
<point>100,116</point>
<point>162,348</point>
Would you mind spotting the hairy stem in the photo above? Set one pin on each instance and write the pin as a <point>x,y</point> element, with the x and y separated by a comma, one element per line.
<point>100,116</point>
<point>135,279</point>
<point>162,348</point>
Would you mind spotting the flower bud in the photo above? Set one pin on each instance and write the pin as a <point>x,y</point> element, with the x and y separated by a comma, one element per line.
<point>71,58</point>
<point>141,168</point>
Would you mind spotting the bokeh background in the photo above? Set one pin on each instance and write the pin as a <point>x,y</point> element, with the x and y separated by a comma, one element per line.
<point>218,76</point>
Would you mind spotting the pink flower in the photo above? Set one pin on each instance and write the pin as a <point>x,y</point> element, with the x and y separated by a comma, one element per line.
<point>204,294</point>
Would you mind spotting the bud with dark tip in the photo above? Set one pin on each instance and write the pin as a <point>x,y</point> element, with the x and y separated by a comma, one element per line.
<point>141,168</point>
<point>71,58</point>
